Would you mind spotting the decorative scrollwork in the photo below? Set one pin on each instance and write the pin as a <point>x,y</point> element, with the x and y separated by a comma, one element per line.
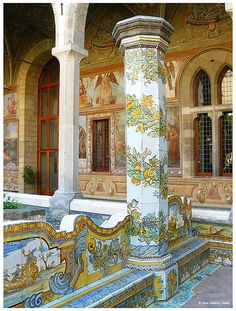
<point>59,283</point>
<point>228,193</point>
<point>202,192</point>
<point>34,301</point>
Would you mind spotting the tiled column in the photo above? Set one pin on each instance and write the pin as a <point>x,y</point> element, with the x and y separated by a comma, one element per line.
<point>69,58</point>
<point>144,40</point>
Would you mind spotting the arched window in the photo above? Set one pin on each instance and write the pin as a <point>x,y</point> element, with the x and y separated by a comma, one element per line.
<point>48,114</point>
<point>225,86</point>
<point>203,131</point>
<point>202,89</point>
<point>226,122</point>
<point>226,132</point>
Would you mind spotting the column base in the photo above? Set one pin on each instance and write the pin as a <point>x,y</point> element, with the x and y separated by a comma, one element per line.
<point>165,271</point>
<point>59,204</point>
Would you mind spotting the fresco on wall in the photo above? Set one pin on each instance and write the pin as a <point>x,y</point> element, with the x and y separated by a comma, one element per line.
<point>171,70</point>
<point>102,89</point>
<point>10,104</point>
<point>198,23</point>
<point>170,77</point>
<point>120,140</point>
<point>10,145</point>
<point>82,141</point>
<point>173,136</point>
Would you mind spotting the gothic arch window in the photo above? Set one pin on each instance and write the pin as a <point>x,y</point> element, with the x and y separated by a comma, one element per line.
<point>203,145</point>
<point>225,83</point>
<point>202,89</point>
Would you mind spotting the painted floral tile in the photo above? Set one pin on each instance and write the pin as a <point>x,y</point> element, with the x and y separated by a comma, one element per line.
<point>101,255</point>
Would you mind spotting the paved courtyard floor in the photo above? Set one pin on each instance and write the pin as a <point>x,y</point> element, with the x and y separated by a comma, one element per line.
<point>209,288</point>
<point>214,292</point>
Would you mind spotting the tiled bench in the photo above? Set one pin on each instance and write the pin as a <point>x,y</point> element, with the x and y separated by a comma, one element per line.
<point>119,289</point>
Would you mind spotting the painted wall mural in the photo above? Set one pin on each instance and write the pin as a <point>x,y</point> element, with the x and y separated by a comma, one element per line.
<point>98,38</point>
<point>102,89</point>
<point>172,68</point>
<point>82,144</point>
<point>82,137</point>
<point>10,105</point>
<point>10,154</point>
<point>198,24</point>
<point>173,136</point>
<point>10,134</point>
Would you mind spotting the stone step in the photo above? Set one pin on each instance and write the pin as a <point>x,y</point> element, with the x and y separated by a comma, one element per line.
<point>123,287</point>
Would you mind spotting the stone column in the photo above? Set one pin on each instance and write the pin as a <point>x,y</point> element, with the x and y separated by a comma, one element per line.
<point>144,40</point>
<point>69,58</point>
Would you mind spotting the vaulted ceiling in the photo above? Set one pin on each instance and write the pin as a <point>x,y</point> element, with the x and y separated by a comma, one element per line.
<point>22,21</point>
<point>27,23</point>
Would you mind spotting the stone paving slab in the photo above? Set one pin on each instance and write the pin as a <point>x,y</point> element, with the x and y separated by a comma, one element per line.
<point>214,292</point>
<point>186,290</point>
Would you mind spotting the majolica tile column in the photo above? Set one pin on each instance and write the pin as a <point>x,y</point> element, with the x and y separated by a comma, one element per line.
<point>69,58</point>
<point>144,40</point>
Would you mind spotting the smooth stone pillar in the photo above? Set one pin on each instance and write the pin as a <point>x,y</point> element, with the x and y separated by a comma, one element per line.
<point>144,40</point>
<point>69,58</point>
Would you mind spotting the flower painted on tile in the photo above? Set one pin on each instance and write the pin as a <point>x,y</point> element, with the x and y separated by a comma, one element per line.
<point>158,287</point>
<point>132,64</point>
<point>172,282</point>
<point>145,115</point>
<point>152,66</point>
<point>135,217</point>
<point>150,173</point>
<point>147,101</point>
<point>146,60</point>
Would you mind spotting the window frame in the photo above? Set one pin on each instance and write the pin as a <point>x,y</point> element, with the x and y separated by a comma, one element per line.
<point>47,118</point>
<point>197,173</point>
<point>222,173</point>
<point>219,83</point>
<point>195,88</point>
<point>94,154</point>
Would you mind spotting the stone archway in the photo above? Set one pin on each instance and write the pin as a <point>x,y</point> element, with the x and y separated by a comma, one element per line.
<point>70,19</point>
<point>27,93</point>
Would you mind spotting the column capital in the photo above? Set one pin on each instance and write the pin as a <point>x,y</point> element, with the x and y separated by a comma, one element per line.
<point>63,51</point>
<point>143,31</point>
